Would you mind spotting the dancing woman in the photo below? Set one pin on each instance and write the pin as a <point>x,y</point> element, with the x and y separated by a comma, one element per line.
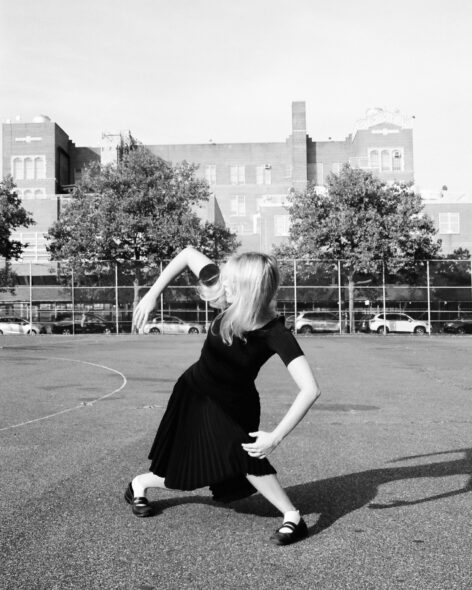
<point>209,434</point>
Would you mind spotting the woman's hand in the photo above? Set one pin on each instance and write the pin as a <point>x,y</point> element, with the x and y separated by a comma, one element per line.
<point>264,444</point>
<point>143,309</point>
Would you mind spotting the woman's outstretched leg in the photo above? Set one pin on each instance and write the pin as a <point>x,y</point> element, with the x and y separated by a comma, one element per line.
<point>144,481</point>
<point>293,527</point>
<point>136,493</point>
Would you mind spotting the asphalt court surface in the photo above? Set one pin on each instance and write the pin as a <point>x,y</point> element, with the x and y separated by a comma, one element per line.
<point>381,469</point>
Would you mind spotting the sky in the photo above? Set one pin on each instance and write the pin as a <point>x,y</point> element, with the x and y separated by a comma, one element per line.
<point>187,71</point>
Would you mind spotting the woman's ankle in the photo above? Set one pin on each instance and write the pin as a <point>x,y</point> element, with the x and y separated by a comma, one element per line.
<point>139,491</point>
<point>292,516</point>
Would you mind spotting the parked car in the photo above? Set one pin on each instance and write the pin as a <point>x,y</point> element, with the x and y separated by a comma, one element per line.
<point>171,324</point>
<point>462,325</point>
<point>83,323</point>
<point>398,322</point>
<point>16,325</point>
<point>308,322</point>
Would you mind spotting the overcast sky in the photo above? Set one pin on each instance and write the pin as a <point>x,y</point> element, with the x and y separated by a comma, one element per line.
<point>186,71</point>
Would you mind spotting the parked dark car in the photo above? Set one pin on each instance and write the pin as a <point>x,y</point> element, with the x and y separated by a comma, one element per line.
<point>85,323</point>
<point>462,325</point>
<point>362,323</point>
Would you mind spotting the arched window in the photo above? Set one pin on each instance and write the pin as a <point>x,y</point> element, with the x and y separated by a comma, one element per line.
<point>39,168</point>
<point>396,161</point>
<point>39,193</point>
<point>29,168</point>
<point>27,194</point>
<point>18,171</point>
<point>385,160</point>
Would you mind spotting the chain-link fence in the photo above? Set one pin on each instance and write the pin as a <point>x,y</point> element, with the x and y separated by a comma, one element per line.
<point>100,298</point>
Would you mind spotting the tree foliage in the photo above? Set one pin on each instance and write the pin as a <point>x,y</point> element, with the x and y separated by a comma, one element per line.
<point>12,217</point>
<point>137,213</point>
<point>362,221</point>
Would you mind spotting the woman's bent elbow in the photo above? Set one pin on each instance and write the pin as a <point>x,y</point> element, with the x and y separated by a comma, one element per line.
<point>315,393</point>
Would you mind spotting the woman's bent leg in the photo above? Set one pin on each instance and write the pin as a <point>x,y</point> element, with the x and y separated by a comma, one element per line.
<point>293,527</point>
<point>270,488</point>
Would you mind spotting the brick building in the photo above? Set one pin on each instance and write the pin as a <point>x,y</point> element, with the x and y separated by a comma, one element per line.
<point>451,213</point>
<point>250,181</point>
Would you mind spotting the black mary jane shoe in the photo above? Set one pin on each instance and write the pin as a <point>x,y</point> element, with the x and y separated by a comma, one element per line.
<point>297,532</point>
<point>139,506</point>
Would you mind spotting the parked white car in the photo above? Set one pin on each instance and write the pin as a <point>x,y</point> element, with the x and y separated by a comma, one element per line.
<point>16,325</point>
<point>171,324</point>
<point>398,322</point>
<point>309,322</point>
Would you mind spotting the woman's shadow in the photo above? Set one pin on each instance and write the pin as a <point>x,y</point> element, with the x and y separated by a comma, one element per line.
<point>334,497</point>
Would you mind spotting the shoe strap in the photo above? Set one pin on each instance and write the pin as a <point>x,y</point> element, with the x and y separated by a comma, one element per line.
<point>289,525</point>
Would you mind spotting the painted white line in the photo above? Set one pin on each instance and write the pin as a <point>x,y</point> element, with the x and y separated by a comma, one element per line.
<point>81,405</point>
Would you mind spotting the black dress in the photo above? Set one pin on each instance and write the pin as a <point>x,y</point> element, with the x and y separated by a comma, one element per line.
<point>213,407</point>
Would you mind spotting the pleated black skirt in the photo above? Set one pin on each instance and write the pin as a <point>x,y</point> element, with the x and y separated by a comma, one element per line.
<point>198,444</point>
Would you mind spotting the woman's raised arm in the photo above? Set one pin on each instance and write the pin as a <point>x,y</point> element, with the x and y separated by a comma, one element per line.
<point>190,258</point>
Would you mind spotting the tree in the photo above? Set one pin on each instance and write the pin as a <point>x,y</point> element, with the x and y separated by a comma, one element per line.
<point>369,225</point>
<point>12,216</point>
<point>137,214</point>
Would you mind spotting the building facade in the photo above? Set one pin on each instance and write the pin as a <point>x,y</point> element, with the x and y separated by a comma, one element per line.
<point>250,182</point>
<point>452,216</point>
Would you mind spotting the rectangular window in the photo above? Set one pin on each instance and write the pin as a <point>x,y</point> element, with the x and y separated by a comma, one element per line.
<point>210,173</point>
<point>237,174</point>
<point>239,228</point>
<point>263,174</point>
<point>259,174</point>
<point>238,205</point>
<point>281,225</point>
<point>449,223</point>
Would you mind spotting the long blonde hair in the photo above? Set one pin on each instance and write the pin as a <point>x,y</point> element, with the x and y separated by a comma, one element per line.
<point>253,279</point>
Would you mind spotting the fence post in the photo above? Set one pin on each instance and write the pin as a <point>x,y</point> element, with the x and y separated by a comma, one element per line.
<point>428,297</point>
<point>384,298</point>
<point>30,295</point>
<point>117,323</point>
<point>339,300</point>
<point>73,301</point>
<point>162,299</point>
<point>295,302</point>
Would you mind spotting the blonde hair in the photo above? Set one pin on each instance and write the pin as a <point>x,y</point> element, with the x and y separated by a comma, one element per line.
<point>253,279</point>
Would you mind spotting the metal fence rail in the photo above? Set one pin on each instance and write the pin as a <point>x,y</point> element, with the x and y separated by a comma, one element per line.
<point>434,290</point>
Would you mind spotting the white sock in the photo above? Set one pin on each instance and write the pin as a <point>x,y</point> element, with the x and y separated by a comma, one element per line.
<point>290,516</point>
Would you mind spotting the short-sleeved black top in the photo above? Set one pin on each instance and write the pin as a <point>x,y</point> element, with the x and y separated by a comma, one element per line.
<point>235,367</point>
